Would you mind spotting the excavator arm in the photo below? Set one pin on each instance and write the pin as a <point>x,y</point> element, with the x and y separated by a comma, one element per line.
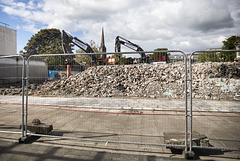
<point>69,41</point>
<point>122,41</point>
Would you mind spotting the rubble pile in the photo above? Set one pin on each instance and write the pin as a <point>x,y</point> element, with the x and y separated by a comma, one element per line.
<point>216,81</point>
<point>115,81</point>
<point>210,81</point>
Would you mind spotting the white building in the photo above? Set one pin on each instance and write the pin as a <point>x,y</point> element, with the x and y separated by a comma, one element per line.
<point>8,41</point>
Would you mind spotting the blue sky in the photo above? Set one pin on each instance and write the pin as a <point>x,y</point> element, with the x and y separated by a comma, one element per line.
<point>14,23</point>
<point>186,25</point>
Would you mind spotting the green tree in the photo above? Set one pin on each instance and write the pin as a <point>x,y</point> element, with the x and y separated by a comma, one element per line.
<point>130,60</point>
<point>47,41</point>
<point>94,46</point>
<point>86,58</point>
<point>229,44</point>
<point>125,61</point>
<point>160,56</point>
<point>208,57</point>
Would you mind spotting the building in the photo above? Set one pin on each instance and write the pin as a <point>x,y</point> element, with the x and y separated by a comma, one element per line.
<point>214,49</point>
<point>237,44</point>
<point>11,67</point>
<point>102,48</point>
<point>8,41</point>
<point>180,58</point>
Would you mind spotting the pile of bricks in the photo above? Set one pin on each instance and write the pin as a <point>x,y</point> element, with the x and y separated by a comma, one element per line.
<point>210,81</point>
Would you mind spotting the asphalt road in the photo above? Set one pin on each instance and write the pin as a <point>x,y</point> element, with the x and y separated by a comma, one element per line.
<point>104,121</point>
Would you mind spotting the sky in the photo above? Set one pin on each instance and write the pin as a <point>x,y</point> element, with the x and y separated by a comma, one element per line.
<point>186,25</point>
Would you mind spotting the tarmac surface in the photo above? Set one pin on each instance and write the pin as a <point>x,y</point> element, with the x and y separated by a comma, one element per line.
<point>111,104</point>
<point>15,151</point>
<point>116,128</point>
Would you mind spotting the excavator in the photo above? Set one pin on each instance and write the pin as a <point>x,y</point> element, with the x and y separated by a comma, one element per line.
<point>122,41</point>
<point>69,41</point>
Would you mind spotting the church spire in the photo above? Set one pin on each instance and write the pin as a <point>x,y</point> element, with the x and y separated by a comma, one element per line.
<point>102,40</point>
<point>102,48</point>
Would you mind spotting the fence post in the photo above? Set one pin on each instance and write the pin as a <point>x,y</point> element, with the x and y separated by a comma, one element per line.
<point>25,74</point>
<point>190,80</point>
<point>186,108</point>
<point>188,154</point>
<point>26,104</point>
<point>23,84</point>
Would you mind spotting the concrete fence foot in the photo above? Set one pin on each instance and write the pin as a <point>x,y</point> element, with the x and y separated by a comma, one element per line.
<point>189,155</point>
<point>28,139</point>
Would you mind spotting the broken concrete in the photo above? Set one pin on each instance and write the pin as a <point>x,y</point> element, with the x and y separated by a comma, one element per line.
<point>210,81</point>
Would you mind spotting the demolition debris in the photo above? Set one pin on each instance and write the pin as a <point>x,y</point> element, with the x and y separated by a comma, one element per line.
<point>210,80</point>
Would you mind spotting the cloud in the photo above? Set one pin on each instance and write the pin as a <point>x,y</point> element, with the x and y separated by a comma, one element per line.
<point>175,24</point>
<point>208,15</point>
<point>30,28</point>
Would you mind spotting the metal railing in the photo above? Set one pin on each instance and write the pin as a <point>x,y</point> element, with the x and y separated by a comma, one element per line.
<point>183,94</point>
<point>12,71</point>
<point>31,84</point>
<point>221,59</point>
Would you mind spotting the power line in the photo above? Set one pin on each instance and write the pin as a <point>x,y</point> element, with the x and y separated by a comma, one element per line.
<point>5,24</point>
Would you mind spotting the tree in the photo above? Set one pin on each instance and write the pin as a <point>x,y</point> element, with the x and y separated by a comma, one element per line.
<point>94,46</point>
<point>125,61</point>
<point>229,44</point>
<point>208,56</point>
<point>85,58</point>
<point>47,41</point>
<point>160,56</point>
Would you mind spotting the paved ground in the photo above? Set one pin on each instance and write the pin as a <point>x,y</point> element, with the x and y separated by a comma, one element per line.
<point>23,152</point>
<point>106,120</point>
<point>107,104</point>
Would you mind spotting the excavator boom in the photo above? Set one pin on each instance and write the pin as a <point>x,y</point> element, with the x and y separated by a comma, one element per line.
<point>69,41</point>
<point>122,41</point>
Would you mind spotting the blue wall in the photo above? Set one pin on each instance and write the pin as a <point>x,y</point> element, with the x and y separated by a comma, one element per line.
<point>51,73</point>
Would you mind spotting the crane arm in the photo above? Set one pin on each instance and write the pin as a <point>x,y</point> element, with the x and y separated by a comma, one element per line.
<point>122,41</point>
<point>69,41</point>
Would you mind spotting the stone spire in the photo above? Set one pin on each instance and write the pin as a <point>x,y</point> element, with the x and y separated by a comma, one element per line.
<point>102,48</point>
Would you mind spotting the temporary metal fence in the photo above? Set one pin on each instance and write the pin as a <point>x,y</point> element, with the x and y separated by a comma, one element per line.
<point>68,110</point>
<point>215,77</point>
<point>12,74</point>
<point>13,81</point>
